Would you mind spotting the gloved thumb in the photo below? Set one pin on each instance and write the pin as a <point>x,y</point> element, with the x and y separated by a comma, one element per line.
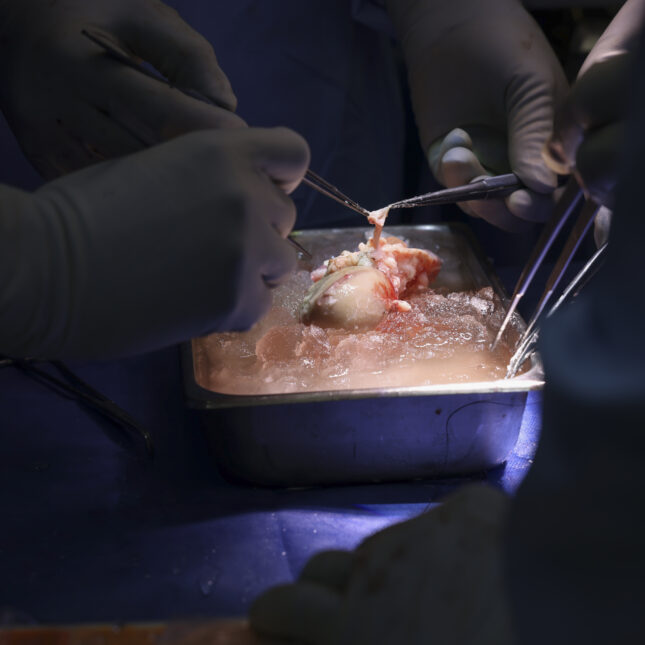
<point>598,96</point>
<point>283,155</point>
<point>530,116</point>
<point>597,99</point>
<point>158,35</point>
<point>620,37</point>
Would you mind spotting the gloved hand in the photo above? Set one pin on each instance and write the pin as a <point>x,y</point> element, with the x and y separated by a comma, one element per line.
<point>588,129</point>
<point>434,579</point>
<point>485,84</point>
<point>574,540</point>
<point>70,105</point>
<point>135,254</point>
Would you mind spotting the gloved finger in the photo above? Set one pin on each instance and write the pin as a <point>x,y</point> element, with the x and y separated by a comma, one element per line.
<point>597,159</point>
<point>150,110</point>
<point>602,226</point>
<point>559,150</point>
<point>72,153</point>
<point>456,138</point>
<point>460,166</point>
<point>601,95</point>
<point>331,569</point>
<point>530,122</point>
<point>160,36</point>
<point>278,209</point>
<point>496,212</point>
<point>622,35</point>
<point>597,98</point>
<point>488,146</point>
<point>303,612</point>
<point>90,137</point>
<point>268,254</point>
<point>255,303</point>
<point>530,206</point>
<point>282,154</point>
<point>279,264</point>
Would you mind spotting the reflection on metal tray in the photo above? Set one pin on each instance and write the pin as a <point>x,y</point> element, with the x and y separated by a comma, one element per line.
<point>367,435</point>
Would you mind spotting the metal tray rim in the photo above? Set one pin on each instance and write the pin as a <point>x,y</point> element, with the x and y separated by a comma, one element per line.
<point>202,399</point>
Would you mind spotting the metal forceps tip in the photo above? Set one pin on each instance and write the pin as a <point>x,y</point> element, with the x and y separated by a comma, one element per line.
<point>571,198</point>
<point>329,190</point>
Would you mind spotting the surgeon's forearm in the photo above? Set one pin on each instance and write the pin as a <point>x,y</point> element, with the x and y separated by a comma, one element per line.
<point>34,278</point>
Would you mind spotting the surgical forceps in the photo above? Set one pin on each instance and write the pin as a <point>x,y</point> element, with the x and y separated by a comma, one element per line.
<point>529,338</point>
<point>325,188</point>
<point>495,186</point>
<point>571,199</point>
<point>484,188</point>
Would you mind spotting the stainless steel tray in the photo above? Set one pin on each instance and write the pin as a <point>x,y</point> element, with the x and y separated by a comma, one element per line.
<point>369,435</point>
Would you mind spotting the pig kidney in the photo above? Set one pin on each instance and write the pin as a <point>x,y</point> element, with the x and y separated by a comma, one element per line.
<point>355,298</point>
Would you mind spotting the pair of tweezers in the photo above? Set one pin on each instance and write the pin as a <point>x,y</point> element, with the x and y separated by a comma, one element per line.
<point>496,186</point>
<point>485,188</point>
<point>329,190</point>
<point>571,199</point>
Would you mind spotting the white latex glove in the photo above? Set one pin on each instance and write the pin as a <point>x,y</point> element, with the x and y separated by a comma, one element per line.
<point>485,84</point>
<point>588,132</point>
<point>70,105</point>
<point>434,579</point>
<point>139,253</point>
